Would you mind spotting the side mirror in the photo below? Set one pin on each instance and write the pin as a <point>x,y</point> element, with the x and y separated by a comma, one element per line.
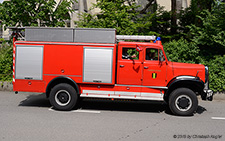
<point>161,57</point>
<point>138,48</point>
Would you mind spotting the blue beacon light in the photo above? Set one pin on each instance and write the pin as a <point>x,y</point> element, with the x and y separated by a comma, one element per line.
<point>157,39</point>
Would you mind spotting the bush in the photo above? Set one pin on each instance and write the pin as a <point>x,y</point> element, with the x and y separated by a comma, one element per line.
<point>217,73</point>
<point>189,52</point>
<point>182,51</point>
<point>6,62</point>
<point>1,39</point>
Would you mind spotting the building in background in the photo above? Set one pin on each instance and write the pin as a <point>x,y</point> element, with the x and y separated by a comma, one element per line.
<point>180,4</point>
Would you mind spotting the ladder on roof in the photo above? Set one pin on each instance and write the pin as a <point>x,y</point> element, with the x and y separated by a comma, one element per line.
<point>135,37</point>
<point>92,35</point>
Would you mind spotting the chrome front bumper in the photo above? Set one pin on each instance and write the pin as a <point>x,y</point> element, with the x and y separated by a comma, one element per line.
<point>208,95</point>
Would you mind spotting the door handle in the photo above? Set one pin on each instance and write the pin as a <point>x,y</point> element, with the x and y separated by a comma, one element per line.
<point>145,67</point>
<point>121,66</point>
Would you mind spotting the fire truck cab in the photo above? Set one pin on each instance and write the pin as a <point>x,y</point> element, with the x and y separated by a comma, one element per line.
<point>67,64</point>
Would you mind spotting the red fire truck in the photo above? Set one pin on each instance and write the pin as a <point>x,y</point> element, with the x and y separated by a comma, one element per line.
<point>67,64</point>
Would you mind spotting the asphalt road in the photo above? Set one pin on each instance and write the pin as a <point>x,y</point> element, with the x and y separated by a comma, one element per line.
<point>28,116</point>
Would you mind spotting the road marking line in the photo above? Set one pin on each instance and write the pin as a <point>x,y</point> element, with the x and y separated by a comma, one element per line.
<point>86,111</point>
<point>220,118</point>
<point>76,111</point>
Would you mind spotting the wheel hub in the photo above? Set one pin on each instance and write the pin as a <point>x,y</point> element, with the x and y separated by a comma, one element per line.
<point>62,97</point>
<point>183,103</point>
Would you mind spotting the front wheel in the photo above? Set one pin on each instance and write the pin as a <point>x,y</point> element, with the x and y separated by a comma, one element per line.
<point>63,97</point>
<point>183,102</point>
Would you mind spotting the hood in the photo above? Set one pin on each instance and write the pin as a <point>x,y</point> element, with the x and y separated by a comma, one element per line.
<point>186,69</point>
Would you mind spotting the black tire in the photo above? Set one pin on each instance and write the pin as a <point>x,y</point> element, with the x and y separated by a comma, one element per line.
<point>183,102</point>
<point>63,97</point>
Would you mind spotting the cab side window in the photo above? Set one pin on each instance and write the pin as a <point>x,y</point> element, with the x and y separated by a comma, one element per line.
<point>130,53</point>
<point>152,54</point>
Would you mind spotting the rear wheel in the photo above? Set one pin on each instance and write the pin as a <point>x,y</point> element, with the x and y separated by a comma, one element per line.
<point>63,97</point>
<point>183,102</point>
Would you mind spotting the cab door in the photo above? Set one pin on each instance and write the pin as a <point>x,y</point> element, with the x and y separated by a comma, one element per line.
<point>129,66</point>
<point>154,67</point>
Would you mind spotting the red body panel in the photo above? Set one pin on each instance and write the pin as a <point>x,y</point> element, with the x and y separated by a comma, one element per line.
<point>29,86</point>
<point>139,72</point>
<point>141,78</point>
<point>63,60</point>
<point>60,59</point>
<point>180,69</point>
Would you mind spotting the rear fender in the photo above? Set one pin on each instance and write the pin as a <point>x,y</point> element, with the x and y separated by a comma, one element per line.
<point>59,80</point>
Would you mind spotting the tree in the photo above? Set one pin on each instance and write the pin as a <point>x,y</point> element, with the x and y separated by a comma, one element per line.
<point>128,18</point>
<point>209,33</point>
<point>147,6</point>
<point>34,12</point>
<point>173,16</point>
<point>6,62</point>
<point>114,14</point>
<point>155,23</point>
<point>189,16</point>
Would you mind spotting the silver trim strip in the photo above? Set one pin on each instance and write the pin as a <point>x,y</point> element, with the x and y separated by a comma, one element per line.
<point>127,93</point>
<point>123,97</point>
<point>49,43</point>
<point>154,87</point>
<point>62,75</point>
<point>152,94</point>
<point>97,92</point>
<point>185,77</point>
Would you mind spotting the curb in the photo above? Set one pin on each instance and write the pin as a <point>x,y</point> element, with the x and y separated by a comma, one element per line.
<point>8,86</point>
<point>219,96</point>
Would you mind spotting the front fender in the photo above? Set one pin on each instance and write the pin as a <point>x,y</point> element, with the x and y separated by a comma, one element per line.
<point>191,82</point>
